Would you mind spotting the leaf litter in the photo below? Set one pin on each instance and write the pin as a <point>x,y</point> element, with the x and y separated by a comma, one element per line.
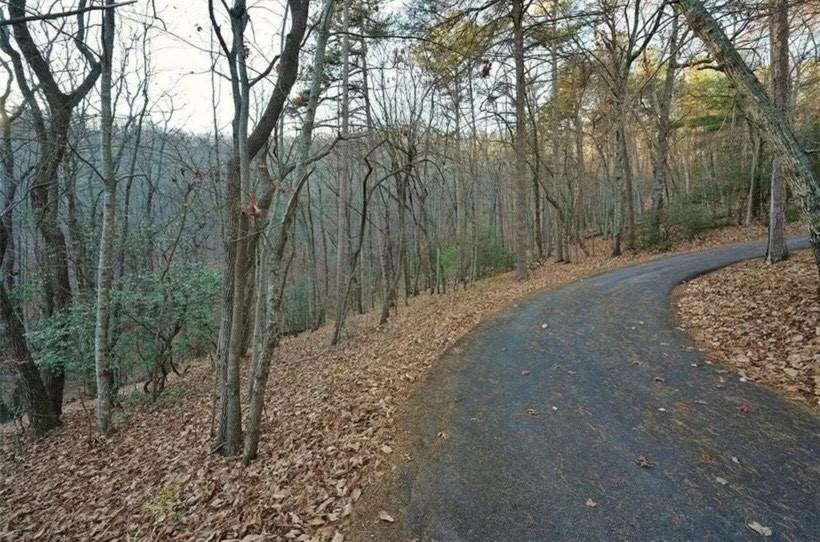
<point>762,320</point>
<point>329,417</point>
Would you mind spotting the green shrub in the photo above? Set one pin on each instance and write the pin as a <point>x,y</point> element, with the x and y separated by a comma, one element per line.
<point>156,318</point>
<point>689,219</point>
<point>493,256</point>
<point>9,409</point>
<point>447,259</point>
<point>648,237</point>
<point>297,310</point>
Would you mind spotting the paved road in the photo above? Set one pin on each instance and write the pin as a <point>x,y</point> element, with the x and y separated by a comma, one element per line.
<point>596,377</point>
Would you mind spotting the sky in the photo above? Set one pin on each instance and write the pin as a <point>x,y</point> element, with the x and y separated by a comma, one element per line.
<point>180,45</point>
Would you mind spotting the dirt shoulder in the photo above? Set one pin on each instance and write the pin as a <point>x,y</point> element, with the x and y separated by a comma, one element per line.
<point>762,320</point>
<point>336,433</point>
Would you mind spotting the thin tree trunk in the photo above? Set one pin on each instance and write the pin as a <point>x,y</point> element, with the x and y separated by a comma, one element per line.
<point>342,211</point>
<point>520,143</point>
<point>660,155</point>
<point>263,352</point>
<point>753,199</point>
<point>106,255</point>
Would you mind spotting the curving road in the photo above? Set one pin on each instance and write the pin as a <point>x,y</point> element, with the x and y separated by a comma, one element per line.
<point>552,403</point>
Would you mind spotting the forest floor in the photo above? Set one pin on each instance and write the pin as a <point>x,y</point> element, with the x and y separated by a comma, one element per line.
<point>333,416</point>
<point>762,320</point>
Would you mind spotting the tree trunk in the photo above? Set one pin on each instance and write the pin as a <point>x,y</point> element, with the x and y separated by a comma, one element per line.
<point>12,331</point>
<point>776,249</point>
<point>660,155</point>
<point>342,211</point>
<point>106,254</point>
<point>521,211</point>
<point>260,366</point>
<point>754,196</point>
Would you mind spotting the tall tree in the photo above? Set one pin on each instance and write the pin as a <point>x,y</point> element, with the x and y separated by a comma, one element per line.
<point>663,127</point>
<point>12,329</point>
<point>520,144</point>
<point>776,249</point>
<point>105,270</point>
<point>343,204</point>
<point>247,145</point>
<point>52,129</point>
<point>269,338</point>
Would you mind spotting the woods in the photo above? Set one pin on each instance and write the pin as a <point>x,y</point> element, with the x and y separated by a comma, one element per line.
<point>185,186</point>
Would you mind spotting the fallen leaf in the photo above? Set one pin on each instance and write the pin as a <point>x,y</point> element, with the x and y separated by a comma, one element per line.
<point>706,457</point>
<point>759,529</point>
<point>644,463</point>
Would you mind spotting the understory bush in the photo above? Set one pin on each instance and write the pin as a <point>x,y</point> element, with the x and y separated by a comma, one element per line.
<point>157,320</point>
<point>493,256</point>
<point>688,219</point>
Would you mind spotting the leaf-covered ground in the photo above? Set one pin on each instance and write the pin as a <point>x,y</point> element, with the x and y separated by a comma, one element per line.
<point>764,320</point>
<point>332,420</point>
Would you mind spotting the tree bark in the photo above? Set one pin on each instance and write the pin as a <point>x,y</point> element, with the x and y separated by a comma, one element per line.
<point>12,331</point>
<point>53,141</point>
<point>660,155</point>
<point>106,253</point>
<point>521,211</point>
<point>260,367</point>
<point>776,249</point>
<point>232,325</point>
<point>343,202</point>
<point>754,196</point>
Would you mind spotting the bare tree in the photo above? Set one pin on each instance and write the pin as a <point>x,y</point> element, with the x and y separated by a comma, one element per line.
<point>521,211</point>
<point>52,129</point>
<point>776,249</point>
<point>269,339</point>
<point>105,271</point>
<point>238,205</point>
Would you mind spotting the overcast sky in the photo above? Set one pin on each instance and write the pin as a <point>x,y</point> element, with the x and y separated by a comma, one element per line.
<point>180,46</point>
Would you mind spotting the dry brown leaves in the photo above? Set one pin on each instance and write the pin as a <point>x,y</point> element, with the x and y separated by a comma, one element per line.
<point>332,417</point>
<point>764,320</point>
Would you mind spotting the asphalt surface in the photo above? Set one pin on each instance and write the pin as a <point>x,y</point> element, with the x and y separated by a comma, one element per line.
<point>552,403</point>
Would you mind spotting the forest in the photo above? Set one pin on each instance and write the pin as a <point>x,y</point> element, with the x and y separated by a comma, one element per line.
<point>187,186</point>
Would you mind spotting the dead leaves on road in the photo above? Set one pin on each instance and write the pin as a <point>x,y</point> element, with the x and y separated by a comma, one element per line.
<point>644,462</point>
<point>760,529</point>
